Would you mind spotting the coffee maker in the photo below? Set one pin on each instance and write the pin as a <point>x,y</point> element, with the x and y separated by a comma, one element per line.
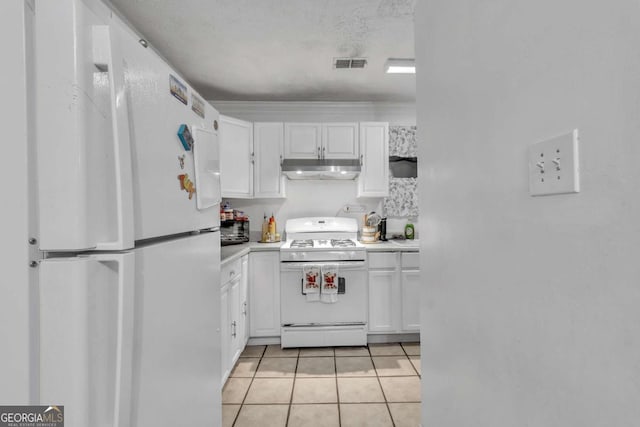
<point>382,229</point>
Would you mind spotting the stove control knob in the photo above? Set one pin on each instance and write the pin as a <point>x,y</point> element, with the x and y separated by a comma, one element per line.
<point>303,255</point>
<point>293,256</point>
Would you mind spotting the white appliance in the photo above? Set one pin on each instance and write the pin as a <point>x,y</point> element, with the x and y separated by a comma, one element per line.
<point>323,242</point>
<point>129,266</point>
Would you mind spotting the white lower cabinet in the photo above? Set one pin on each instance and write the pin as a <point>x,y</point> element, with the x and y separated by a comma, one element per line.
<point>225,335</point>
<point>410,280</point>
<point>243,327</point>
<point>264,294</point>
<point>394,292</point>
<point>382,285</point>
<point>233,303</point>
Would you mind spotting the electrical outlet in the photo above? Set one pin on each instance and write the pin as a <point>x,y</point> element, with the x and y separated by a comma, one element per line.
<point>554,166</point>
<point>353,208</point>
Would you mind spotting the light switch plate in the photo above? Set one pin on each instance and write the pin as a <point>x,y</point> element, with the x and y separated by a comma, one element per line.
<point>554,166</point>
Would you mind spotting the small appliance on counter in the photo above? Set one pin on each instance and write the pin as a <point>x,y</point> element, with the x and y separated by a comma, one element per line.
<point>371,229</point>
<point>382,229</point>
<point>234,232</point>
<point>234,226</point>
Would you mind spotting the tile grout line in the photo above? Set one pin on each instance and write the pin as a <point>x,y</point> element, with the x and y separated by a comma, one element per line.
<point>248,388</point>
<point>386,401</point>
<point>335,368</point>
<point>411,362</point>
<point>293,387</point>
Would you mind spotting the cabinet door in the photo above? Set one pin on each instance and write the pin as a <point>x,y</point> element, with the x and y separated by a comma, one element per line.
<point>243,327</point>
<point>340,141</point>
<point>234,320</point>
<point>225,333</point>
<point>264,294</point>
<point>374,154</point>
<point>381,300</point>
<point>236,157</point>
<point>302,140</point>
<point>411,300</point>
<point>268,145</point>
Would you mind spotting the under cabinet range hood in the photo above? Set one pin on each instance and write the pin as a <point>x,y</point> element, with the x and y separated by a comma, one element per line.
<point>321,168</point>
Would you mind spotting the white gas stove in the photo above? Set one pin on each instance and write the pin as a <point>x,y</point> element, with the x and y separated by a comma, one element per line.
<point>323,244</point>
<point>322,239</point>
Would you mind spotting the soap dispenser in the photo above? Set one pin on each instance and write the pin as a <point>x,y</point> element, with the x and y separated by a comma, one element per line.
<point>409,231</point>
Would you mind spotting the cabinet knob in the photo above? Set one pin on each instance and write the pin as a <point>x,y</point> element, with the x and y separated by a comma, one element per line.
<point>323,151</point>
<point>318,152</point>
<point>233,324</point>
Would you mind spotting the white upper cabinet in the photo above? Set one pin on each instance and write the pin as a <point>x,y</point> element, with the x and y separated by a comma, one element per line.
<point>268,145</point>
<point>250,159</point>
<point>321,140</point>
<point>340,141</point>
<point>374,154</point>
<point>236,157</point>
<point>302,140</point>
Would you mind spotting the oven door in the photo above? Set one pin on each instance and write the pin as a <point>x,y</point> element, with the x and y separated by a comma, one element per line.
<point>350,307</point>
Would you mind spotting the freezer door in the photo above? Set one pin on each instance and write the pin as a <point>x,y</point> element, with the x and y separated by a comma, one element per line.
<point>174,191</point>
<point>111,167</point>
<point>82,130</point>
<point>177,365</point>
<point>86,338</point>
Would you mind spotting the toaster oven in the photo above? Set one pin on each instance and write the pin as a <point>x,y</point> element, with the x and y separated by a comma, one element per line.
<point>234,232</point>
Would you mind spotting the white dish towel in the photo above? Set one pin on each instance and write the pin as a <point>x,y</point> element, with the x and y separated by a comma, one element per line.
<point>311,282</point>
<point>329,288</point>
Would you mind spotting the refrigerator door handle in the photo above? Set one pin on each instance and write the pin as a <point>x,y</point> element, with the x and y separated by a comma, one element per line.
<point>124,353</point>
<point>87,309</point>
<point>106,57</point>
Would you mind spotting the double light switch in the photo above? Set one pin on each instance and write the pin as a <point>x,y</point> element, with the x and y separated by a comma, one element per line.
<point>554,166</point>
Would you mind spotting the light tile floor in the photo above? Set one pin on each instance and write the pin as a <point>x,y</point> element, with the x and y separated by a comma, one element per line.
<point>378,385</point>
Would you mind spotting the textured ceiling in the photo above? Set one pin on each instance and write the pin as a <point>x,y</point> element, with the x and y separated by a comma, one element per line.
<point>278,50</point>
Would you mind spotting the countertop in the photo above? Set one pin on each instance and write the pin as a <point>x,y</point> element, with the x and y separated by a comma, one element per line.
<point>393,246</point>
<point>232,252</point>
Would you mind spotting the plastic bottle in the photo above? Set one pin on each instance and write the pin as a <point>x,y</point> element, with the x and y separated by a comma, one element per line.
<point>265,229</point>
<point>409,231</point>
<point>272,228</point>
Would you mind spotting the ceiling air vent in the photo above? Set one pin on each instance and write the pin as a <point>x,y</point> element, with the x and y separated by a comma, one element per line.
<point>343,63</point>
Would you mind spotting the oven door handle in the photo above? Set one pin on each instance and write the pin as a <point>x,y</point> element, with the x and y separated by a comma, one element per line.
<point>297,266</point>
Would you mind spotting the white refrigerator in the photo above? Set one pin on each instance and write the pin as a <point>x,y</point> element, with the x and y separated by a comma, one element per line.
<point>128,208</point>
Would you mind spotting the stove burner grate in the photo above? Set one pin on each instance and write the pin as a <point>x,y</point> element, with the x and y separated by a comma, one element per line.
<point>342,243</point>
<point>302,244</point>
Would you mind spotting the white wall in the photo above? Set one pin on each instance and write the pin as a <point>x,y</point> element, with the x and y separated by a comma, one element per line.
<point>531,306</point>
<point>15,288</point>
<point>306,198</point>
<point>315,198</point>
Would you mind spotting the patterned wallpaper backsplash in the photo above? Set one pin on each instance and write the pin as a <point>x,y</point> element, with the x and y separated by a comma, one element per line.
<point>403,197</point>
<point>402,141</point>
<point>403,192</point>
